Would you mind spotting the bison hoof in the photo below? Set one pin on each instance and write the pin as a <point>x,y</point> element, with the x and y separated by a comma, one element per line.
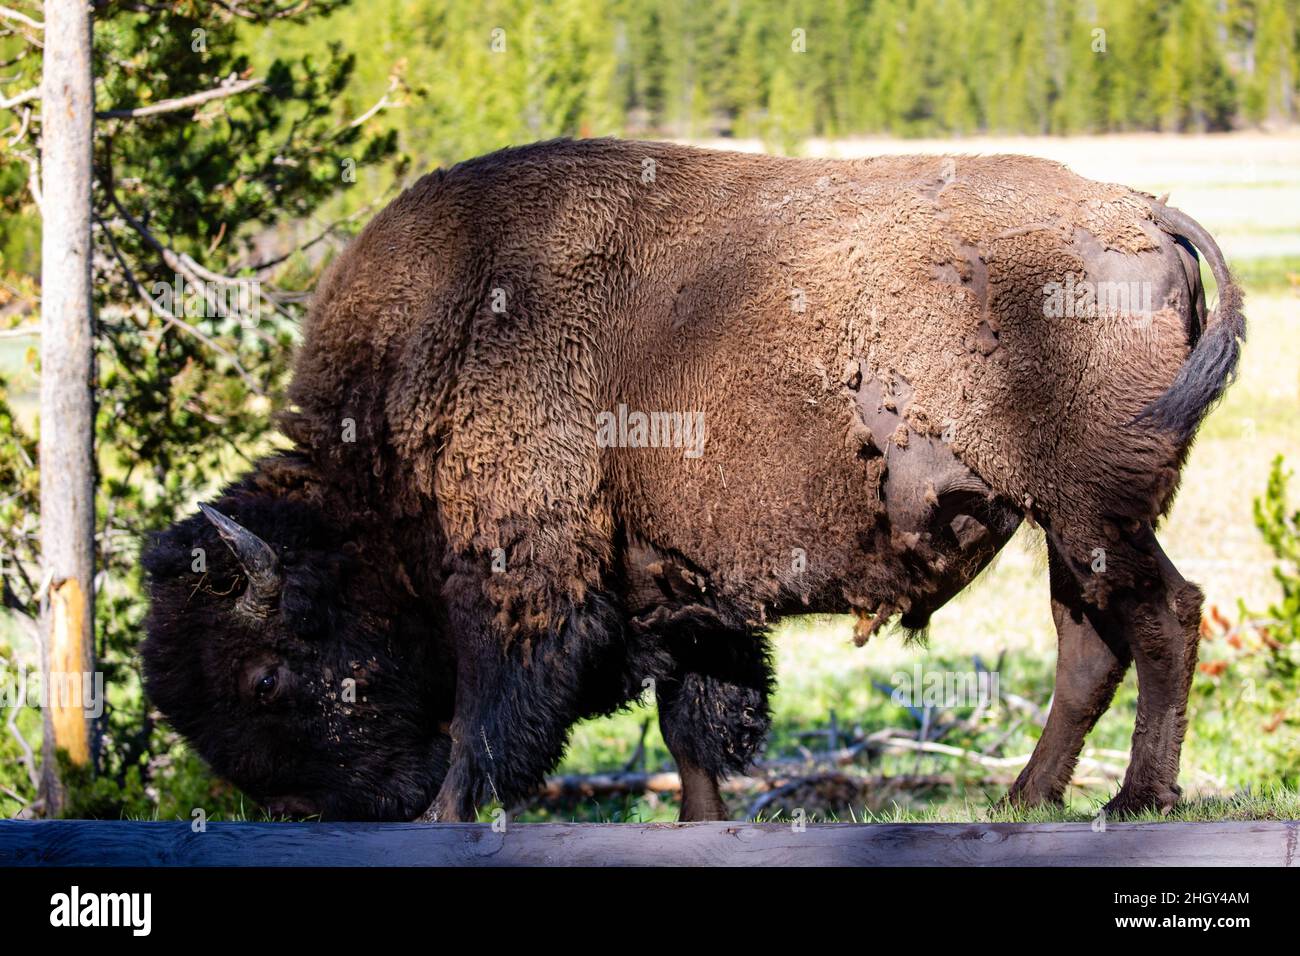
<point>1134,801</point>
<point>453,807</point>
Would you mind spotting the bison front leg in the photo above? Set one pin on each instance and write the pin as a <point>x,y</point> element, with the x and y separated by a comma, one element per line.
<point>517,695</point>
<point>1089,666</point>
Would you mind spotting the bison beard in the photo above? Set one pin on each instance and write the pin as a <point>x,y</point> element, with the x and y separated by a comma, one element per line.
<point>448,570</point>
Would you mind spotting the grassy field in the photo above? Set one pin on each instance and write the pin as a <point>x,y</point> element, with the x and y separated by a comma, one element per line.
<point>1245,188</point>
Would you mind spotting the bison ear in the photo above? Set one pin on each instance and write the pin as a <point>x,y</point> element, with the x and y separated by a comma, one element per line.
<point>255,556</point>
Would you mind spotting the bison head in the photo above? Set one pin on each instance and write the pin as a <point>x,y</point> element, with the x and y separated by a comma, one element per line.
<point>293,653</point>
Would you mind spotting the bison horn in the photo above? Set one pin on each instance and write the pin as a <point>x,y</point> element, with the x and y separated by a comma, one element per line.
<point>255,556</point>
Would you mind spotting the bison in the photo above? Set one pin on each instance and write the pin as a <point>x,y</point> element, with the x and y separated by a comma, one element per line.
<point>582,417</point>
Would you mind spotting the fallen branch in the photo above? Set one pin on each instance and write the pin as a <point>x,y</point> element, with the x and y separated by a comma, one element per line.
<point>586,786</point>
<point>902,743</point>
<point>580,786</point>
<point>771,782</point>
<point>863,785</point>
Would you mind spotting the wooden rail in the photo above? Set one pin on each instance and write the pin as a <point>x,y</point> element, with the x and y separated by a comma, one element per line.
<point>114,843</point>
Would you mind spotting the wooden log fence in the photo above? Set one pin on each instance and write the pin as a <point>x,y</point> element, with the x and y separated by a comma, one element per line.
<point>124,843</point>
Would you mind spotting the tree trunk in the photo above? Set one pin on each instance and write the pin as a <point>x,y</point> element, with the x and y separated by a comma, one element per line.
<point>67,406</point>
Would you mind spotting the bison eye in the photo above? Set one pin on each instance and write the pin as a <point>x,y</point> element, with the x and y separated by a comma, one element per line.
<point>264,686</point>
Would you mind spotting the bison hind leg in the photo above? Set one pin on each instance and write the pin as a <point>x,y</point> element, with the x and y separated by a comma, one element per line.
<point>1119,599</point>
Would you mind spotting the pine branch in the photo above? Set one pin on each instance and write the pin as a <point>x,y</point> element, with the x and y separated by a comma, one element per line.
<point>18,99</point>
<point>228,88</point>
<point>7,14</point>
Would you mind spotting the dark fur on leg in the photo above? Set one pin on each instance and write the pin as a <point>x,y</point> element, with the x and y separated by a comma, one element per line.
<point>713,709</point>
<point>517,700</point>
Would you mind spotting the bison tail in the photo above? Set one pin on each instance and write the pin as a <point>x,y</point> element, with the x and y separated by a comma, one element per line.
<point>1212,366</point>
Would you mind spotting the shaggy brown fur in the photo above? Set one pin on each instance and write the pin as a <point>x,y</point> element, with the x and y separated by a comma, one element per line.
<point>885,397</point>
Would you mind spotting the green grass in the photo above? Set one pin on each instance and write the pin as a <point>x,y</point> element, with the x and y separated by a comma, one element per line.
<point>1273,803</point>
<point>1268,275</point>
<point>1270,803</point>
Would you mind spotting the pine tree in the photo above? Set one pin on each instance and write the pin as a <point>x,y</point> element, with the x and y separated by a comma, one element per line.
<point>197,160</point>
<point>1271,94</point>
